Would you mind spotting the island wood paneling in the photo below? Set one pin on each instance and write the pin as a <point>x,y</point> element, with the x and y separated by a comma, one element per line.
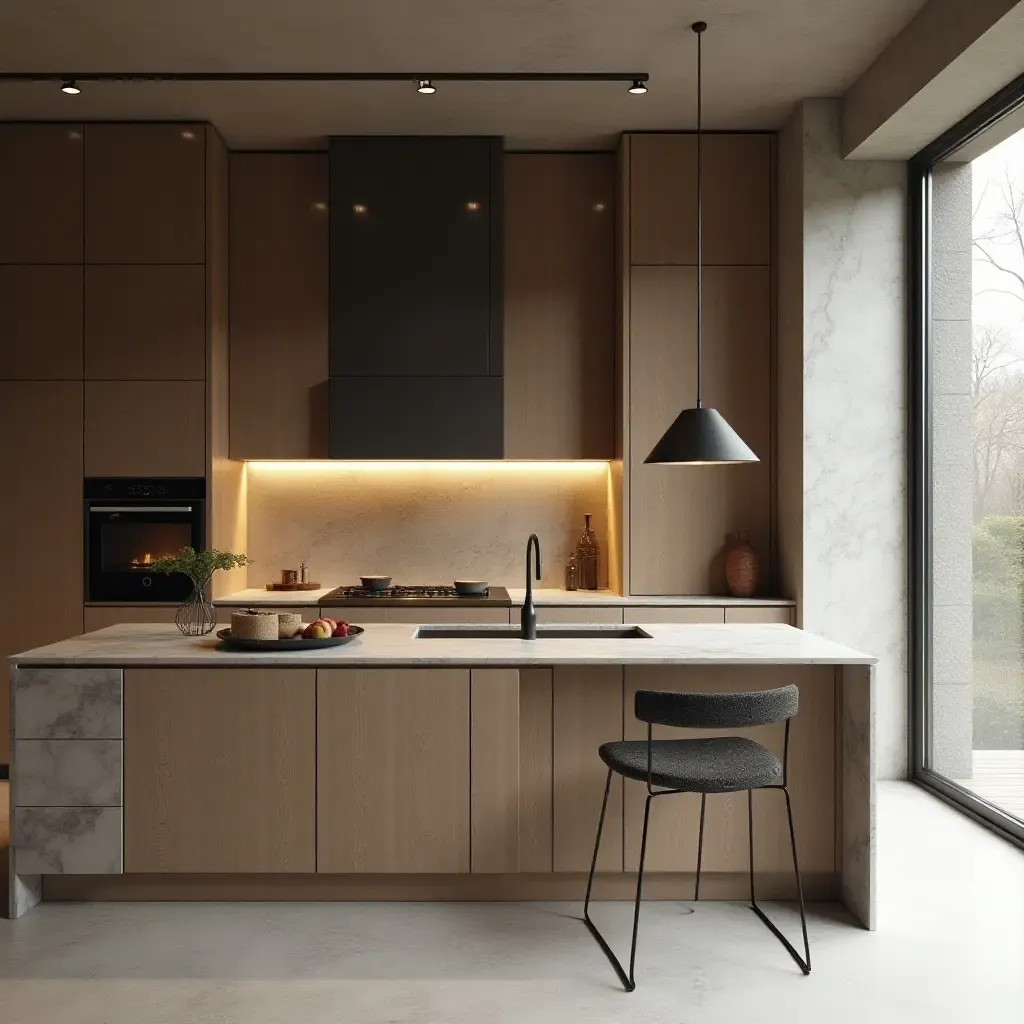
<point>145,193</point>
<point>145,322</point>
<point>393,764</point>
<point>672,834</point>
<point>41,467</point>
<point>587,711</point>
<point>494,770</point>
<point>679,516</point>
<point>559,305</point>
<point>40,322</point>
<point>41,193</point>
<point>535,770</point>
<point>219,770</point>
<point>278,305</point>
<point>737,199</point>
<point>151,428</point>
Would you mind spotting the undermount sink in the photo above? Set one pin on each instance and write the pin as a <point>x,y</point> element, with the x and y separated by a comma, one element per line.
<point>581,632</point>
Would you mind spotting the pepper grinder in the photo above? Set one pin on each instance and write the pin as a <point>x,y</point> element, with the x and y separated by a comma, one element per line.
<point>303,573</point>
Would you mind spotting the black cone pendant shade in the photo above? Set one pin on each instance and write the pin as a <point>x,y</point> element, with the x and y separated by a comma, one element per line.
<point>699,436</point>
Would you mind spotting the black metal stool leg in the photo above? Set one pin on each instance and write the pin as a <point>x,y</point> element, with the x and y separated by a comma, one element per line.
<point>700,847</point>
<point>805,961</point>
<point>627,980</point>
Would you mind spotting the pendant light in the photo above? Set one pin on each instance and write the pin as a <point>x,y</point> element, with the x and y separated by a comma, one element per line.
<point>700,436</point>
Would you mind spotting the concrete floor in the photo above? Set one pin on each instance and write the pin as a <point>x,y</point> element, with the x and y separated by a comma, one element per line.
<point>950,947</point>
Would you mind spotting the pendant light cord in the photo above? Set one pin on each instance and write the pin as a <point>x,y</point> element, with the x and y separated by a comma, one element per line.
<point>698,28</point>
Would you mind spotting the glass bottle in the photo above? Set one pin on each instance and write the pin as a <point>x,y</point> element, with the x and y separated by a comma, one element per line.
<point>572,574</point>
<point>587,552</point>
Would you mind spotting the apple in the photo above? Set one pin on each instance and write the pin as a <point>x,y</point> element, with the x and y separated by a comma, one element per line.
<point>330,622</point>
<point>341,629</point>
<point>318,631</point>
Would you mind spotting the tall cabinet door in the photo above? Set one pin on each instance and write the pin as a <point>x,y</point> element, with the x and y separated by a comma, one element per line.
<point>41,193</point>
<point>40,519</point>
<point>145,193</point>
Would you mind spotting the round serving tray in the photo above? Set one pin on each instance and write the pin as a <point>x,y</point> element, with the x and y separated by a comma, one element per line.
<point>243,644</point>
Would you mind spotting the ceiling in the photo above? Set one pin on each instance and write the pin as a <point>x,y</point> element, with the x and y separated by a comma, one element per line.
<point>761,56</point>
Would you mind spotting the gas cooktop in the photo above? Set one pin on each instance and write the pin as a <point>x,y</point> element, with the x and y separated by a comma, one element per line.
<point>420,595</point>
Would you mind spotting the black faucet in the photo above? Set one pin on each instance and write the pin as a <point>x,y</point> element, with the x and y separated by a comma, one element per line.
<point>529,618</point>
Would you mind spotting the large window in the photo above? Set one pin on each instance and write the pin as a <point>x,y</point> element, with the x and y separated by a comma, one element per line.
<point>967,242</point>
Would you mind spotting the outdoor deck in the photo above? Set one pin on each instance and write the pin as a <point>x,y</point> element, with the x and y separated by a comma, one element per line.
<point>999,778</point>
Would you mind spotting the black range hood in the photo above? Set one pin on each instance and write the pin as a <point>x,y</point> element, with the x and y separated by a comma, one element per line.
<point>416,283</point>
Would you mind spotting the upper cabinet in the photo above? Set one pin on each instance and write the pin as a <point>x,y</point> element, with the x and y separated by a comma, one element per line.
<point>559,305</point>
<point>145,322</point>
<point>41,193</point>
<point>737,185</point>
<point>278,305</point>
<point>40,322</point>
<point>413,234</point>
<point>145,193</point>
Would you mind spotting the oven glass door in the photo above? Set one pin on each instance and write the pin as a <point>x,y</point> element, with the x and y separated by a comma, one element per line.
<point>124,541</point>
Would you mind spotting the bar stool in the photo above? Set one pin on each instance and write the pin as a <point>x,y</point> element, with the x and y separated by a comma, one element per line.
<point>725,764</point>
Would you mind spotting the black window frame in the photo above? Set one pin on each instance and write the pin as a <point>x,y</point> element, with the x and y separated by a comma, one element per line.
<point>919,224</point>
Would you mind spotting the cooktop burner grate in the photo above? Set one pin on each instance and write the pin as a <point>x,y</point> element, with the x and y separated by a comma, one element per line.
<point>393,592</point>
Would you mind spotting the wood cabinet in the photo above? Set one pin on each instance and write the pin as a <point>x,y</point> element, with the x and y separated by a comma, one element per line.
<point>666,613</point>
<point>665,559</point>
<point>40,322</point>
<point>559,305</point>
<point>770,613</point>
<point>393,770</point>
<point>41,519</point>
<point>219,770</point>
<point>151,428</point>
<point>41,193</point>
<point>737,199</point>
<point>574,613</point>
<point>672,833</point>
<point>99,616</point>
<point>145,322</point>
<point>145,193</point>
<point>278,305</point>
<point>586,712</point>
<point>494,770</point>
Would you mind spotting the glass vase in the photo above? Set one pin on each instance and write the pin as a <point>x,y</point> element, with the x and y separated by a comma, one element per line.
<point>197,616</point>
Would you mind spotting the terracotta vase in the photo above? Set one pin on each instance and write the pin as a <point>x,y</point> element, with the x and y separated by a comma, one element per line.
<point>741,565</point>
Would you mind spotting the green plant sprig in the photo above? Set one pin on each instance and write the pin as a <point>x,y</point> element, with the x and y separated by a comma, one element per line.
<point>199,565</point>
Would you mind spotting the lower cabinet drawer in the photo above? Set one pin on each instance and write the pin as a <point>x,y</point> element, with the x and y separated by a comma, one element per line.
<point>67,840</point>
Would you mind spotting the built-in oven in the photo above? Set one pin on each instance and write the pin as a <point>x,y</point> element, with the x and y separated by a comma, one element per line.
<point>129,524</point>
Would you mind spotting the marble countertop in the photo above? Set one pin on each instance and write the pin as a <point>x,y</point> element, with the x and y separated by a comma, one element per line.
<point>256,596</point>
<point>395,644</point>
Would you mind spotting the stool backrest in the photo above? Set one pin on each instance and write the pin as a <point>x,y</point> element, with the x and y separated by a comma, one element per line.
<point>716,710</point>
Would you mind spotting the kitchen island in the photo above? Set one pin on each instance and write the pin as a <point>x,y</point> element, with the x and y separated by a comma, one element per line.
<point>152,766</point>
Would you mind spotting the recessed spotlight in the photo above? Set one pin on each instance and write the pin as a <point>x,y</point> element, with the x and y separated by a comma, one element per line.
<point>473,206</point>
<point>69,88</point>
<point>320,206</point>
<point>188,135</point>
<point>425,87</point>
<point>359,209</point>
<point>598,207</point>
<point>638,88</point>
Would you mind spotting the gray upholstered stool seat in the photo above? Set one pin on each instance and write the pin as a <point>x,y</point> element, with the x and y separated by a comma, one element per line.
<point>710,765</point>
